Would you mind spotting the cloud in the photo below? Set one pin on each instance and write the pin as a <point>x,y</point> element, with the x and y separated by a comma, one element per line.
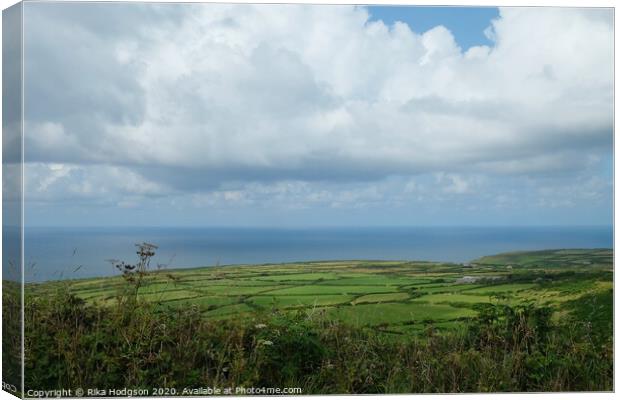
<point>54,182</point>
<point>200,98</point>
<point>455,183</point>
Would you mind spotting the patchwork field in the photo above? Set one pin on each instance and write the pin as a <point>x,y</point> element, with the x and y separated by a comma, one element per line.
<point>391,296</point>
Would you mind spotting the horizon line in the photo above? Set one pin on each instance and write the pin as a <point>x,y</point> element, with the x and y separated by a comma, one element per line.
<point>322,226</point>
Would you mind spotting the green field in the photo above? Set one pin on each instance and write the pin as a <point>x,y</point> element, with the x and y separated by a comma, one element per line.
<point>386,295</point>
<point>518,322</point>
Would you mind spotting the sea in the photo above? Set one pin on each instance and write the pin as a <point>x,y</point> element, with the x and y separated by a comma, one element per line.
<point>72,253</point>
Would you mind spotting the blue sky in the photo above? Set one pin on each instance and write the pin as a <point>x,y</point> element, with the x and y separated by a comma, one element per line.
<point>467,24</point>
<point>274,115</point>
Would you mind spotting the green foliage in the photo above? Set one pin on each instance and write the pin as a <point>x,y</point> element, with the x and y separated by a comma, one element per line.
<point>593,313</point>
<point>329,327</point>
<point>11,333</point>
<point>592,258</point>
<point>391,291</point>
<point>71,343</point>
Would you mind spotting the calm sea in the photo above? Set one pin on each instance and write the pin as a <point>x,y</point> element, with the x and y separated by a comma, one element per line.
<point>63,253</point>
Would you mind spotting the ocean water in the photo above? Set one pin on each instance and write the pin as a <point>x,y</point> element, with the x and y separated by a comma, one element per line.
<point>67,253</point>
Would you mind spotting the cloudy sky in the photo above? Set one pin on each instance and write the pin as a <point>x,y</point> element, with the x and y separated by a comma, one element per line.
<point>274,115</point>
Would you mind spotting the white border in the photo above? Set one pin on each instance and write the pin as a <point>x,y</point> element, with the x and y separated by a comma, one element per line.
<point>488,3</point>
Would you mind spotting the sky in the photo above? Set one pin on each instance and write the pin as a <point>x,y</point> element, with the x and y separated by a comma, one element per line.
<point>467,24</point>
<point>280,115</point>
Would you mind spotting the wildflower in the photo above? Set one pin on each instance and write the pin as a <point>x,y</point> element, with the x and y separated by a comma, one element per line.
<point>260,326</point>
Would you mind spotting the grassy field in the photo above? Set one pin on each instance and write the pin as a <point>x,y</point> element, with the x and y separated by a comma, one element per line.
<point>391,296</point>
<point>537,321</point>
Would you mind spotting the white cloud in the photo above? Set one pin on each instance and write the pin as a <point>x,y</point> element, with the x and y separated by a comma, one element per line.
<point>195,99</point>
<point>284,86</point>
<point>53,182</point>
<point>454,183</point>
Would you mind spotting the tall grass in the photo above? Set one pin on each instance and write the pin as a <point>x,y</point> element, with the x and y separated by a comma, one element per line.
<point>135,344</point>
<point>11,334</point>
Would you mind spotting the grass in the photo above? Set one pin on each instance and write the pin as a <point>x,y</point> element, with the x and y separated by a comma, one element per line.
<point>279,302</point>
<point>507,288</point>
<point>335,327</point>
<point>382,298</point>
<point>381,286</point>
<point>456,298</point>
<point>396,313</point>
<point>552,258</point>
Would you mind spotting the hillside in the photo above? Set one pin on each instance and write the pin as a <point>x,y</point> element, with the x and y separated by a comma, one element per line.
<point>394,296</point>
